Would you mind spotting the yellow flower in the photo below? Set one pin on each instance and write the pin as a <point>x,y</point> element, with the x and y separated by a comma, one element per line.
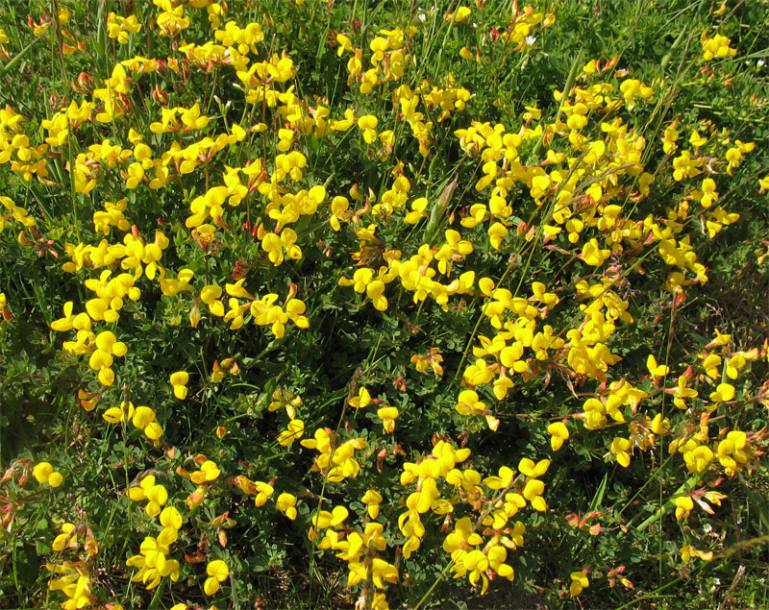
<point>179,381</point>
<point>684,505</point>
<point>656,370</point>
<point>208,473</point>
<point>67,538</point>
<point>372,499</point>
<point>734,451</point>
<point>217,572</point>
<point>122,413</point>
<point>264,492</point>
<point>497,233</point>
<point>533,491</point>
<point>388,415</point>
<point>461,15</point>
<point>682,392</point>
<point>533,470</point>
<point>697,140</point>
<point>294,431</point>
<point>559,433</point>
<point>345,44</point>
<point>505,478</point>
<point>362,400</point>
<point>688,551</point>
<point>171,517</point>
<point>286,503</point>
<point>716,47</point>
<point>368,124</point>
<point>468,403</point>
<point>659,425</point>
<point>709,194</point>
<point>697,458</point>
<point>579,582</point>
<point>724,392</point>
<point>210,296</point>
<point>418,207</point>
<point>592,253</point>
<point>620,449</point>
<point>46,475</point>
<point>325,519</point>
<point>120,28</point>
<point>156,495</point>
<point>466,53</point>
<point>144,419</point>
<point>632,88</point>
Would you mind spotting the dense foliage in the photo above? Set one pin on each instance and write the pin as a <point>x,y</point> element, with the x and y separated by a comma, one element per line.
<point>383,304</point>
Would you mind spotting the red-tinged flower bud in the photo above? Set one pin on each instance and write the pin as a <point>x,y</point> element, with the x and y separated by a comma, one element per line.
<point>125,102</point>
<point>90,546</point>
<point>400,384</point>
<point>83,83</point>
<point>9,474</point>
<point>292,289</point>
<point>380,458</point>
<point>196,497</point>
<point>245,485</point>
<point>195,316</point>
<point>197,557</point>
<point>446,525</point>
<point>160,96</point>
<point>494,34</point>
<point>260,231</point>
